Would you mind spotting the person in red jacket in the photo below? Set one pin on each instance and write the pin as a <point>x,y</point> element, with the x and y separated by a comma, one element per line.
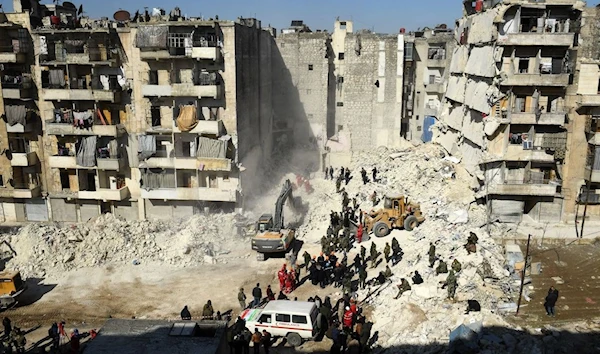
<point>348,318</point>
<point>289,282</point>
<point>282,274</point>
<point>359,233</point>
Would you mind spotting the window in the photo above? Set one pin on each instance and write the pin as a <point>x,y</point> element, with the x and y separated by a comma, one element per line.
<point>523,65</point>
<point>310,67</point>
<point>265,319</point>
<point>340,56</point>
<point>417,117</point>
<point>431,79</point>
<point>340,104</point>
<point>212,181</point>
<point>153,77</point>
<point>340,79</point>
<point>282,318</point>
<point>408,51</point>
<point>1,181</point>
<point>343,25</point>
<point>308,91</point>
<point>299,319</point>
<point>226,177</point>
<point>155,114</point>
<point>419,128</point>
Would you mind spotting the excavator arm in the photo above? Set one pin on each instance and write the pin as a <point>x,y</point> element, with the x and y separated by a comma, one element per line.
<point>286,192</point>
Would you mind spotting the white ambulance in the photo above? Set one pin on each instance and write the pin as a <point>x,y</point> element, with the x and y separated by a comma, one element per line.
<point>294,320</point>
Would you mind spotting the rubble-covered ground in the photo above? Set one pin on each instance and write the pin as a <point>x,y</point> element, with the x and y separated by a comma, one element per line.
<point>421,317</point>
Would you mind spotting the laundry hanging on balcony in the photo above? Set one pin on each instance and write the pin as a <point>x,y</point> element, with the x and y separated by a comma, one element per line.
<point>15,114</point>
<point>146,146</point>
<point>57,78</point>
<point>83,119</point>
<point>187,119</point>
<point>86,153</point>
<point>212,148</point>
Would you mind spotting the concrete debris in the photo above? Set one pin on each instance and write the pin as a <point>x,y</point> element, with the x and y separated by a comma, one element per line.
<point>105,240</point>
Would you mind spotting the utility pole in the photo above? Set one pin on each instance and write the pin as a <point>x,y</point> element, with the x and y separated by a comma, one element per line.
<point>587,191</point>
<point>523,274</point>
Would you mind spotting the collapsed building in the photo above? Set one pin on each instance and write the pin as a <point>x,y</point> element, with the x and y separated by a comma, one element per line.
<point>507,109</point>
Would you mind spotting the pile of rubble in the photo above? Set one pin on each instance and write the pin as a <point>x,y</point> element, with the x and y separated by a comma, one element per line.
<point>42,250</point>
<point>446,192</point>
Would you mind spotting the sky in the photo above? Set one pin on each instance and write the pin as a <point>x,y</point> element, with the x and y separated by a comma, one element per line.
<point>383,16</point>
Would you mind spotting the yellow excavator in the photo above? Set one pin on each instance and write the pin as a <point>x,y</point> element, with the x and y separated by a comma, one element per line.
<point>397,212</point>
<point>271,235</point>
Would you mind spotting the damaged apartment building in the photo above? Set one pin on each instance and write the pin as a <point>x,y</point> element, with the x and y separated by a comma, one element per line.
<point>427,55</point>
<point>507,105</point>
<point>343,90</point>
<point>156,116</point>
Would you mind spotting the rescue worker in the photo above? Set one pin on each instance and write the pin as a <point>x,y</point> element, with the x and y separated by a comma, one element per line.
<point>257,294</point>
<point>241,299</point>
<point>403,287</point>
<point>338,275</point>
<point>374,255</point>
<point>374,172</point>
<point>324,243</point>
<point>362,277</point>
<point>417,279</point>
<point>363,174</point>
<point>207,310</point>
<point>281,276</point>
<point>347,176</point>
<point>348,319</point>
<point>374,198</point>
<point>396,251</point>
<point>456,266</point>
<point>442,268</point>
<point>363,254</point>
<point>345,200</point>
<point>331,173</point>
<point>359,233</point>
<point>338,185</point>
<point>185,314</point>
<point>381,278</point>
<point>357,263</point>
<point>431,254</point>
<point>386,252</point>
<point>452,284</point>
<point>355,203</point>
<point>471,245</point>
<point>289,282</point>
<point>347,283</point>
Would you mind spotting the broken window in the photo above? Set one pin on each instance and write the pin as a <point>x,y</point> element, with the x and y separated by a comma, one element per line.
<point>340,104</point>
<point>212,181</point>
<point>408,51</point>
<point>310,67</point>
<point>153,77</point>
<point>343,25</point>
<point>155,115</point>
<point>523,65</point>
<point>340,56</point>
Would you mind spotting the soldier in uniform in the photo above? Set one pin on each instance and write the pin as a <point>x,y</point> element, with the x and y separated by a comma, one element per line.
<point>347,283</point>
<point>403,287</point>
<point>363,174</point>
<point>417,279</point>
<point>431,254</point>
<point>442,268</point>
<point>363,254</point>
<point>374,255</point>
<point>338,184</point>
<point>396,251</point>
<point>345,200</point>
<point>374,198</point>
<point>388,272</point>
<point>306,257</point>
<point>452,284</point>
<point>456,266</point>
<point>386,252</point>
<point>362,276</point>
<point>324,244</point>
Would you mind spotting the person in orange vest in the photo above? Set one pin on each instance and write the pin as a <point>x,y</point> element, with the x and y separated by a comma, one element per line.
<point>289,282</point>
<point>282,275</point>
<point>348,318</point>
<point>359,233</point>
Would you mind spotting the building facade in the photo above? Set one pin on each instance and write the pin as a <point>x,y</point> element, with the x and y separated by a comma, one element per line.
<point>155,117</point>
<point>507,105</point>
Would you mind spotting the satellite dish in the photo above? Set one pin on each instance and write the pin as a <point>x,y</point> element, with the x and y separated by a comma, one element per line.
<point>122,16</point>
<point>69,5</point>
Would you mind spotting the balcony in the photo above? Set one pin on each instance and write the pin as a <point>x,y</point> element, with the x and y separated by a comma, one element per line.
<point>105,194</point>
<point>10,57</point>
<point>100,59</point>
<point>538,39</point>
<point>69,162</point>
<point>63,129</point>
<point>182,90</point>
<point>204,194</point>
<point>545,118</point>
<point>21,192</point>
<point>158,162</point>
<point>202,164</point>
<point>19,128</point>
<point>23,159</point>
<point>517,153</point>
<point>111,164</point>
<point>592,175</point>
<point>66,94</point>
<point>435,88</point>
<point>588,101</point>
<point>209,127</point>
<point>546,188</point>
<point>558,80</point>
<point>203,53</point>
<point>594,138</point>
<point>436,63</point>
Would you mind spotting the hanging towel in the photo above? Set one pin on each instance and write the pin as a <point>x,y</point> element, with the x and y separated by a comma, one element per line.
<point>86,154</point>
<point>15,114</point>
<point>146,146</point>
<point>187,119</point>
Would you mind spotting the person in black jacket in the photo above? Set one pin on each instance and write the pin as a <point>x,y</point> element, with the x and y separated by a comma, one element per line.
<point>257,294</point>
<point>185,314</point>
<point>551,299</point>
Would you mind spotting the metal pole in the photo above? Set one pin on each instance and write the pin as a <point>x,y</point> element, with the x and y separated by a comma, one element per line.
<point>587,193</point>
<point>523,274</point>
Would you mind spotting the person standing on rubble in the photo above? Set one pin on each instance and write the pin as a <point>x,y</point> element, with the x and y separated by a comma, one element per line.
<point>281,276</point>
<point>386,252</point>
<point>242,299</point>
<point>347,176</point>
<point>359,233</point>
<point>374,255</point>
<point>374,172</point>
<point>431,254</point>
<point>374,198</point>
<point>342,173</point>
<point>363,174</point>
<point>257,294</point>
<point>451,284</point>
<point>396,251</point>
<point>551,299</point>
<point>456,266</point>
<point>331,173</point>
<point>442,268</point>
<point>363,254</point>
<point>471,245</point>
<point>306,257</point>
<point>362,277</point>
<point>6,322</point>
<point>338,184</point>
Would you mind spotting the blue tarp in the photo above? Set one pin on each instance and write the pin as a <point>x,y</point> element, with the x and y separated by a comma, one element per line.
<point>427,132</point>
